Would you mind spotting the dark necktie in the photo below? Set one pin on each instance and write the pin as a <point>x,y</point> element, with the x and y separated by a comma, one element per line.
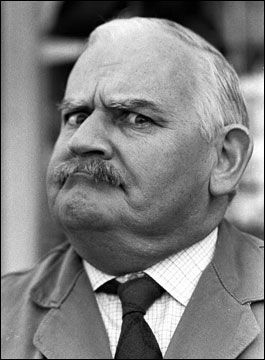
<point>137,340</point>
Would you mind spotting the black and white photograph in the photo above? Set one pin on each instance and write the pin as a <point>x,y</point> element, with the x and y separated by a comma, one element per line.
<point>132,180</point>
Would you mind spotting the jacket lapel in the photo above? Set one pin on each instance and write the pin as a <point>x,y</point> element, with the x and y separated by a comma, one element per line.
<point>73,327</point>
<point>214,325</point>
<point>218,322</point>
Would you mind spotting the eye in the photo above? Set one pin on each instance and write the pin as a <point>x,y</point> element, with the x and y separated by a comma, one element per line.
<point>75,119</point>
<point>139,121</point>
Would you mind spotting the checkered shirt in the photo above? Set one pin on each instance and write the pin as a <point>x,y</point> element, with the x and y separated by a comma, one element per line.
<point>178,275</point>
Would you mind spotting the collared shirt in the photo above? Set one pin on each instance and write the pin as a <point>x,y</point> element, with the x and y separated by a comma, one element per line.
<point>178,275</point>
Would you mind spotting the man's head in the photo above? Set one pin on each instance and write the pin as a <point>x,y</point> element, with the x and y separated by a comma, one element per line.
<point>153,139</point>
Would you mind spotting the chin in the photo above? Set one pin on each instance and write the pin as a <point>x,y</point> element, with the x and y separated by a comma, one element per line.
<point>83,215</point>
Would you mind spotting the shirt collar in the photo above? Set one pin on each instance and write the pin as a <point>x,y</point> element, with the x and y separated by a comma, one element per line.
<point>180,273</point>
<point>177,274</point>
<point>96,276</point>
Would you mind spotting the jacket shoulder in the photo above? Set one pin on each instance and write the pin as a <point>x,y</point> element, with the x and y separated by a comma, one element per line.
<point>236,231</point>
<point>16,282</point>
<point>244,244</point>
<point>257,242</point>
<point>239,263</point>
<point>257,245</point>
<point>21,316</point>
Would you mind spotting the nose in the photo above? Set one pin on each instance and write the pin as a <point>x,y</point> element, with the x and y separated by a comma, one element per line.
<point>92,138</point>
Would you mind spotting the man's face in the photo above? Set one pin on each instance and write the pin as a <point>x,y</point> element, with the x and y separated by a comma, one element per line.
<point>128,112</point>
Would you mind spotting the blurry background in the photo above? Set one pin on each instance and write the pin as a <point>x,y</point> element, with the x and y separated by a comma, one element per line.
<point>41,41</point>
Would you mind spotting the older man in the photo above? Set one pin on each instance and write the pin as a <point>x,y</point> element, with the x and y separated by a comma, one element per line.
<point>154,140</point>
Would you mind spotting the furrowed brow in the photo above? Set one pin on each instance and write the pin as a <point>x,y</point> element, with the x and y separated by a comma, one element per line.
<point>131,104</point>
<point>123,104</point>
<point>69,105</point>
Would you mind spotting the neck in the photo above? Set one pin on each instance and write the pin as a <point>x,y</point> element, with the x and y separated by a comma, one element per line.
<point>118,252</point>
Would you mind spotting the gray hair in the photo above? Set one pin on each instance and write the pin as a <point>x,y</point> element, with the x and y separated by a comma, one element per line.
<point>219,100</point>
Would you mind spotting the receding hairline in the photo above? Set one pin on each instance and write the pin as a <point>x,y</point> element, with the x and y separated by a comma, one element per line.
<point>117,29</point>
<point>167,27</point>
<point>219,99</point>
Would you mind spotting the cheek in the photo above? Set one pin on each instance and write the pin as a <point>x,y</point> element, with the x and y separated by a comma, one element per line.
<point>152,160</point>
<point>166,166</point>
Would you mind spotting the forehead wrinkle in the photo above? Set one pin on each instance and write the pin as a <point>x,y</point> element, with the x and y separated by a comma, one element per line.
<point>158,94</point>
<point>126,104</point>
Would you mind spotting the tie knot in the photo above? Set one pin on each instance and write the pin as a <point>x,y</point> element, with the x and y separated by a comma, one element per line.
<point>136,295</point>
<point>139,294</point>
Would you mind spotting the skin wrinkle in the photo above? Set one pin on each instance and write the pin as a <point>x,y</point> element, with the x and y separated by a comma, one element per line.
<point>167,166</point>
<point>132,104</point>
<point>228,101</point>
<point>141,175</point>
<point>184,75</point>
<point>183,95</point>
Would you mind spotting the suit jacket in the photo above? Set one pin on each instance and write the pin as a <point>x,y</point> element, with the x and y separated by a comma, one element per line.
<point>51,311</point>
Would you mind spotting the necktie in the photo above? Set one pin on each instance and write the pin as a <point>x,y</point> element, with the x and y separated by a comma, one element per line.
<point>137,340</point>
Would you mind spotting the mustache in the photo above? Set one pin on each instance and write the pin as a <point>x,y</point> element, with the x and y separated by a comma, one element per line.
<point>97,170</point>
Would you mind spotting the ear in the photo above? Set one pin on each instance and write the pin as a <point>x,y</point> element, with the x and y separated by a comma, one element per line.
<point>234,149</point>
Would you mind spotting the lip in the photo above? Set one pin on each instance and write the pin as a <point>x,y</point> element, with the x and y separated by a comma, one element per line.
<point>88,177</point>
<point>75,174</point>
<point>101,184</point>
<point>81,173</point>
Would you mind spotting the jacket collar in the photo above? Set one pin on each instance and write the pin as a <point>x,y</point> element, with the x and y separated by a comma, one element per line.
<point>239,264</point>
<point>56,276</point>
